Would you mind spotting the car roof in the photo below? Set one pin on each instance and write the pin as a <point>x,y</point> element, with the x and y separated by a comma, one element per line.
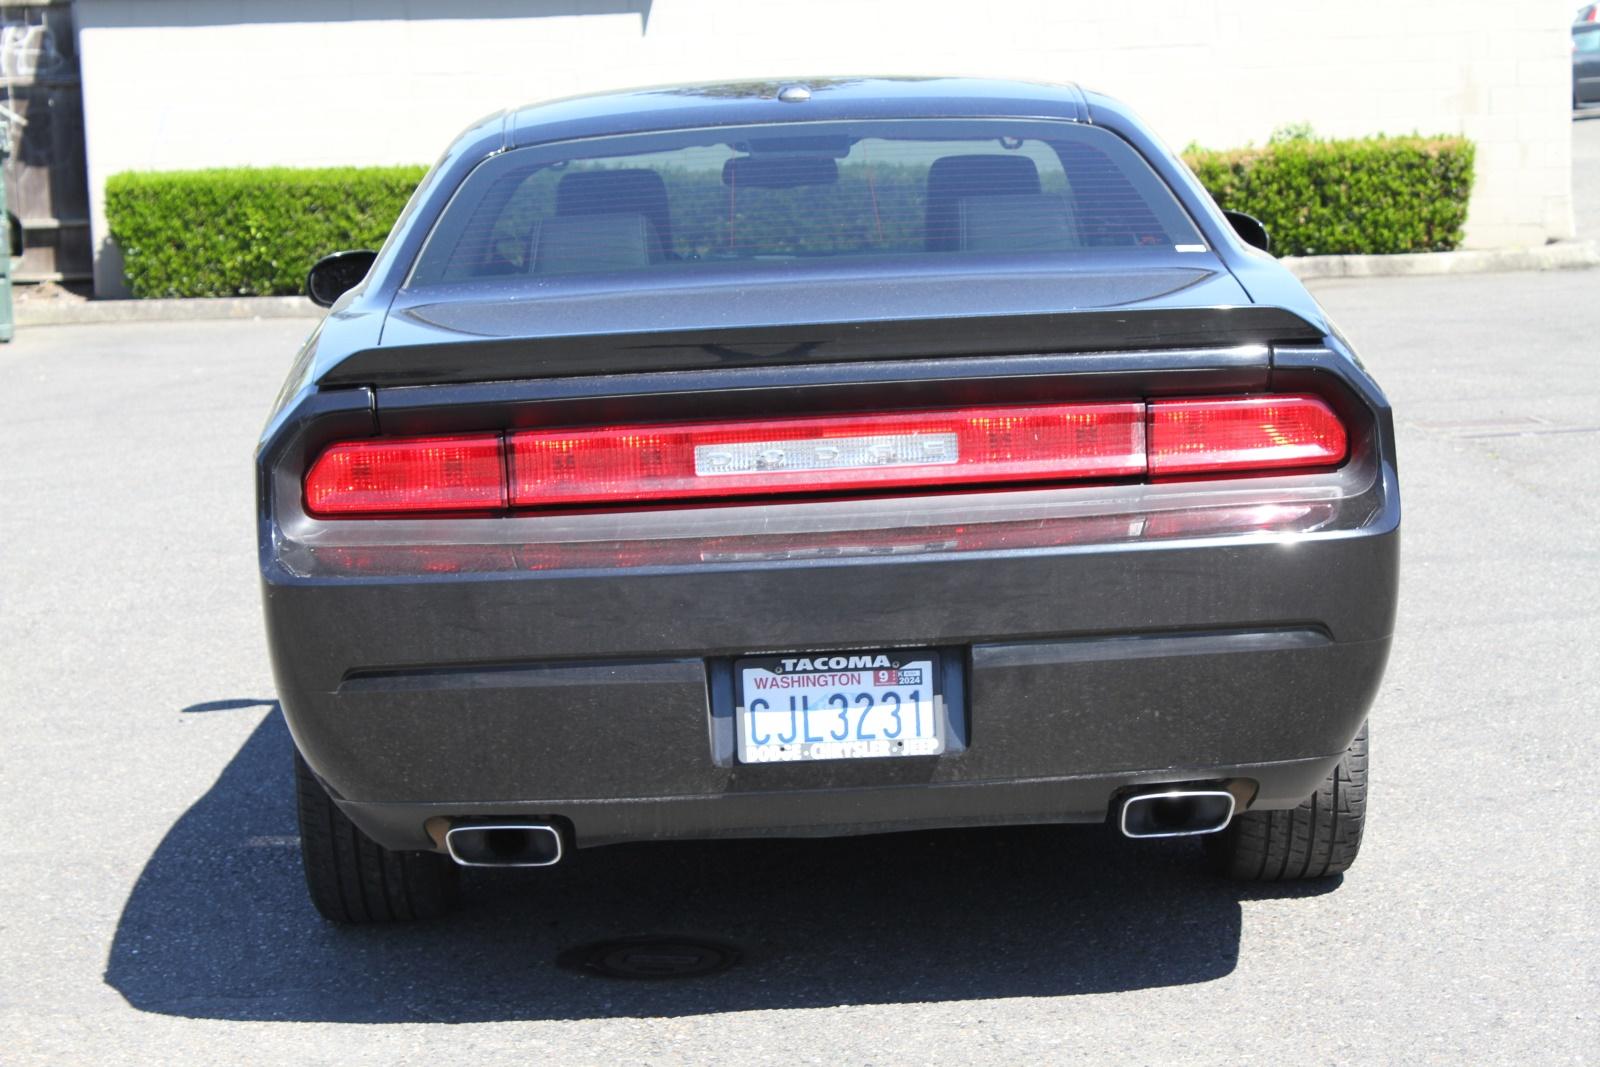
<point>736,103</point>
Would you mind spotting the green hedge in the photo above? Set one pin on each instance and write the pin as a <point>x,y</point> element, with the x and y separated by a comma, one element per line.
<point>257,231</point>
<point>1373,195</point>
<point>247,231</point>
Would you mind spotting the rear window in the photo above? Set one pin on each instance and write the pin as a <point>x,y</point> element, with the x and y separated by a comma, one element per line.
<point>749,200</point>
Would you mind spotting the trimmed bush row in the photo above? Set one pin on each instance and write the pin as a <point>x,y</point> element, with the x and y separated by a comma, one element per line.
<point>247,231</point>
<point>255,232</point>
<point>1376,195</point>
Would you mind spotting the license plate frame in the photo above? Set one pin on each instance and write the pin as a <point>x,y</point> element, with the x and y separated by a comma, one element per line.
<point>803,719</point>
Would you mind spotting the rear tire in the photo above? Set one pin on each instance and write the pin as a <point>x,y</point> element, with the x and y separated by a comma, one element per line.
<point>352,878</point>
<point>1318,839</point>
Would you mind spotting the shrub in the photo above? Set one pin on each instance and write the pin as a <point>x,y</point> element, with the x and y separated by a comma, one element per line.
<point>1372,195</point>
<point>255,232</point>
<point>247,231</point>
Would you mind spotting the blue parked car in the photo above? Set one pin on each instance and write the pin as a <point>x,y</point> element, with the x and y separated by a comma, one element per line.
<point>1585,64</point>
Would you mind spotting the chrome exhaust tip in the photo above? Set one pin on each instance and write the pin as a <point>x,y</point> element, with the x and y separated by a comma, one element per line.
<point>504,844</point>
<point>1176,813</point>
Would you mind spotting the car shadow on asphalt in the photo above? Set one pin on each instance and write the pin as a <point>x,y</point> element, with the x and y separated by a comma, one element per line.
<point>218,924</point>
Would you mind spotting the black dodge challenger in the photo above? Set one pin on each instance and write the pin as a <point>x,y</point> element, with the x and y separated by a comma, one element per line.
<point>816,458</point>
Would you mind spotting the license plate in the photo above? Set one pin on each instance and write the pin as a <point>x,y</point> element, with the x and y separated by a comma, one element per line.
<point>844,705</point>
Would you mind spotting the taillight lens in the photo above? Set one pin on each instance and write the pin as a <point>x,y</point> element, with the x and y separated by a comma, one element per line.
<point>1244,434</point>
<point>381,476</point>
<point>712,460</point>
<point>707,461</point>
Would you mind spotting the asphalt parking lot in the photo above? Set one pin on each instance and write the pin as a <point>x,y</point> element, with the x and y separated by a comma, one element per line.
<point>151,908</point>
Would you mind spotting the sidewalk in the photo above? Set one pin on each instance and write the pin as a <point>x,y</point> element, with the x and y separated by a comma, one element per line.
<point>67,309</point>
<point>1563,255</point>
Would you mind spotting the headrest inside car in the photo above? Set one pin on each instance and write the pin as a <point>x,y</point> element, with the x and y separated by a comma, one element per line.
<point>611,192</point>
<point>1037,222</point>
<point>594,243</point>
<point>952,179</point>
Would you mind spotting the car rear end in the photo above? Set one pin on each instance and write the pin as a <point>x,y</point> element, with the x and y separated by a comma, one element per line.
<point>627,538</point>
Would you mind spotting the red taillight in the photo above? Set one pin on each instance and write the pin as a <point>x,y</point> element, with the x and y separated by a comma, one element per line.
<point>399,474</point>
<point>1243,434</point>
<point>707,461</point>
<point>712,460</point>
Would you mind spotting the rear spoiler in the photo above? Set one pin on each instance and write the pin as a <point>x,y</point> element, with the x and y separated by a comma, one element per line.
<point>477,359</point>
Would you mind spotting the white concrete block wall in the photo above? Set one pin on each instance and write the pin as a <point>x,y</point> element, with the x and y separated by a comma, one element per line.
<point>178,84</point>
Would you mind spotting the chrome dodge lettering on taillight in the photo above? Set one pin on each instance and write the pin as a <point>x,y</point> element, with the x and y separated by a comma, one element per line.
<point>826,453</point>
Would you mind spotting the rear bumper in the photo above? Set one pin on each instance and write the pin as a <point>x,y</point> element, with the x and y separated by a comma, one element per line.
<point>841,811</point>
<point>603,698</point>
<point>577,667</point>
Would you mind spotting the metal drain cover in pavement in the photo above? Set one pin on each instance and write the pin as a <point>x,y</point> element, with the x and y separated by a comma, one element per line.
<point>650,957</point>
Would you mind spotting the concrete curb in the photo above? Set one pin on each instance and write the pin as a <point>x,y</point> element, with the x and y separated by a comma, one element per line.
<point>76,312</point>
<point>1565,255</point>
